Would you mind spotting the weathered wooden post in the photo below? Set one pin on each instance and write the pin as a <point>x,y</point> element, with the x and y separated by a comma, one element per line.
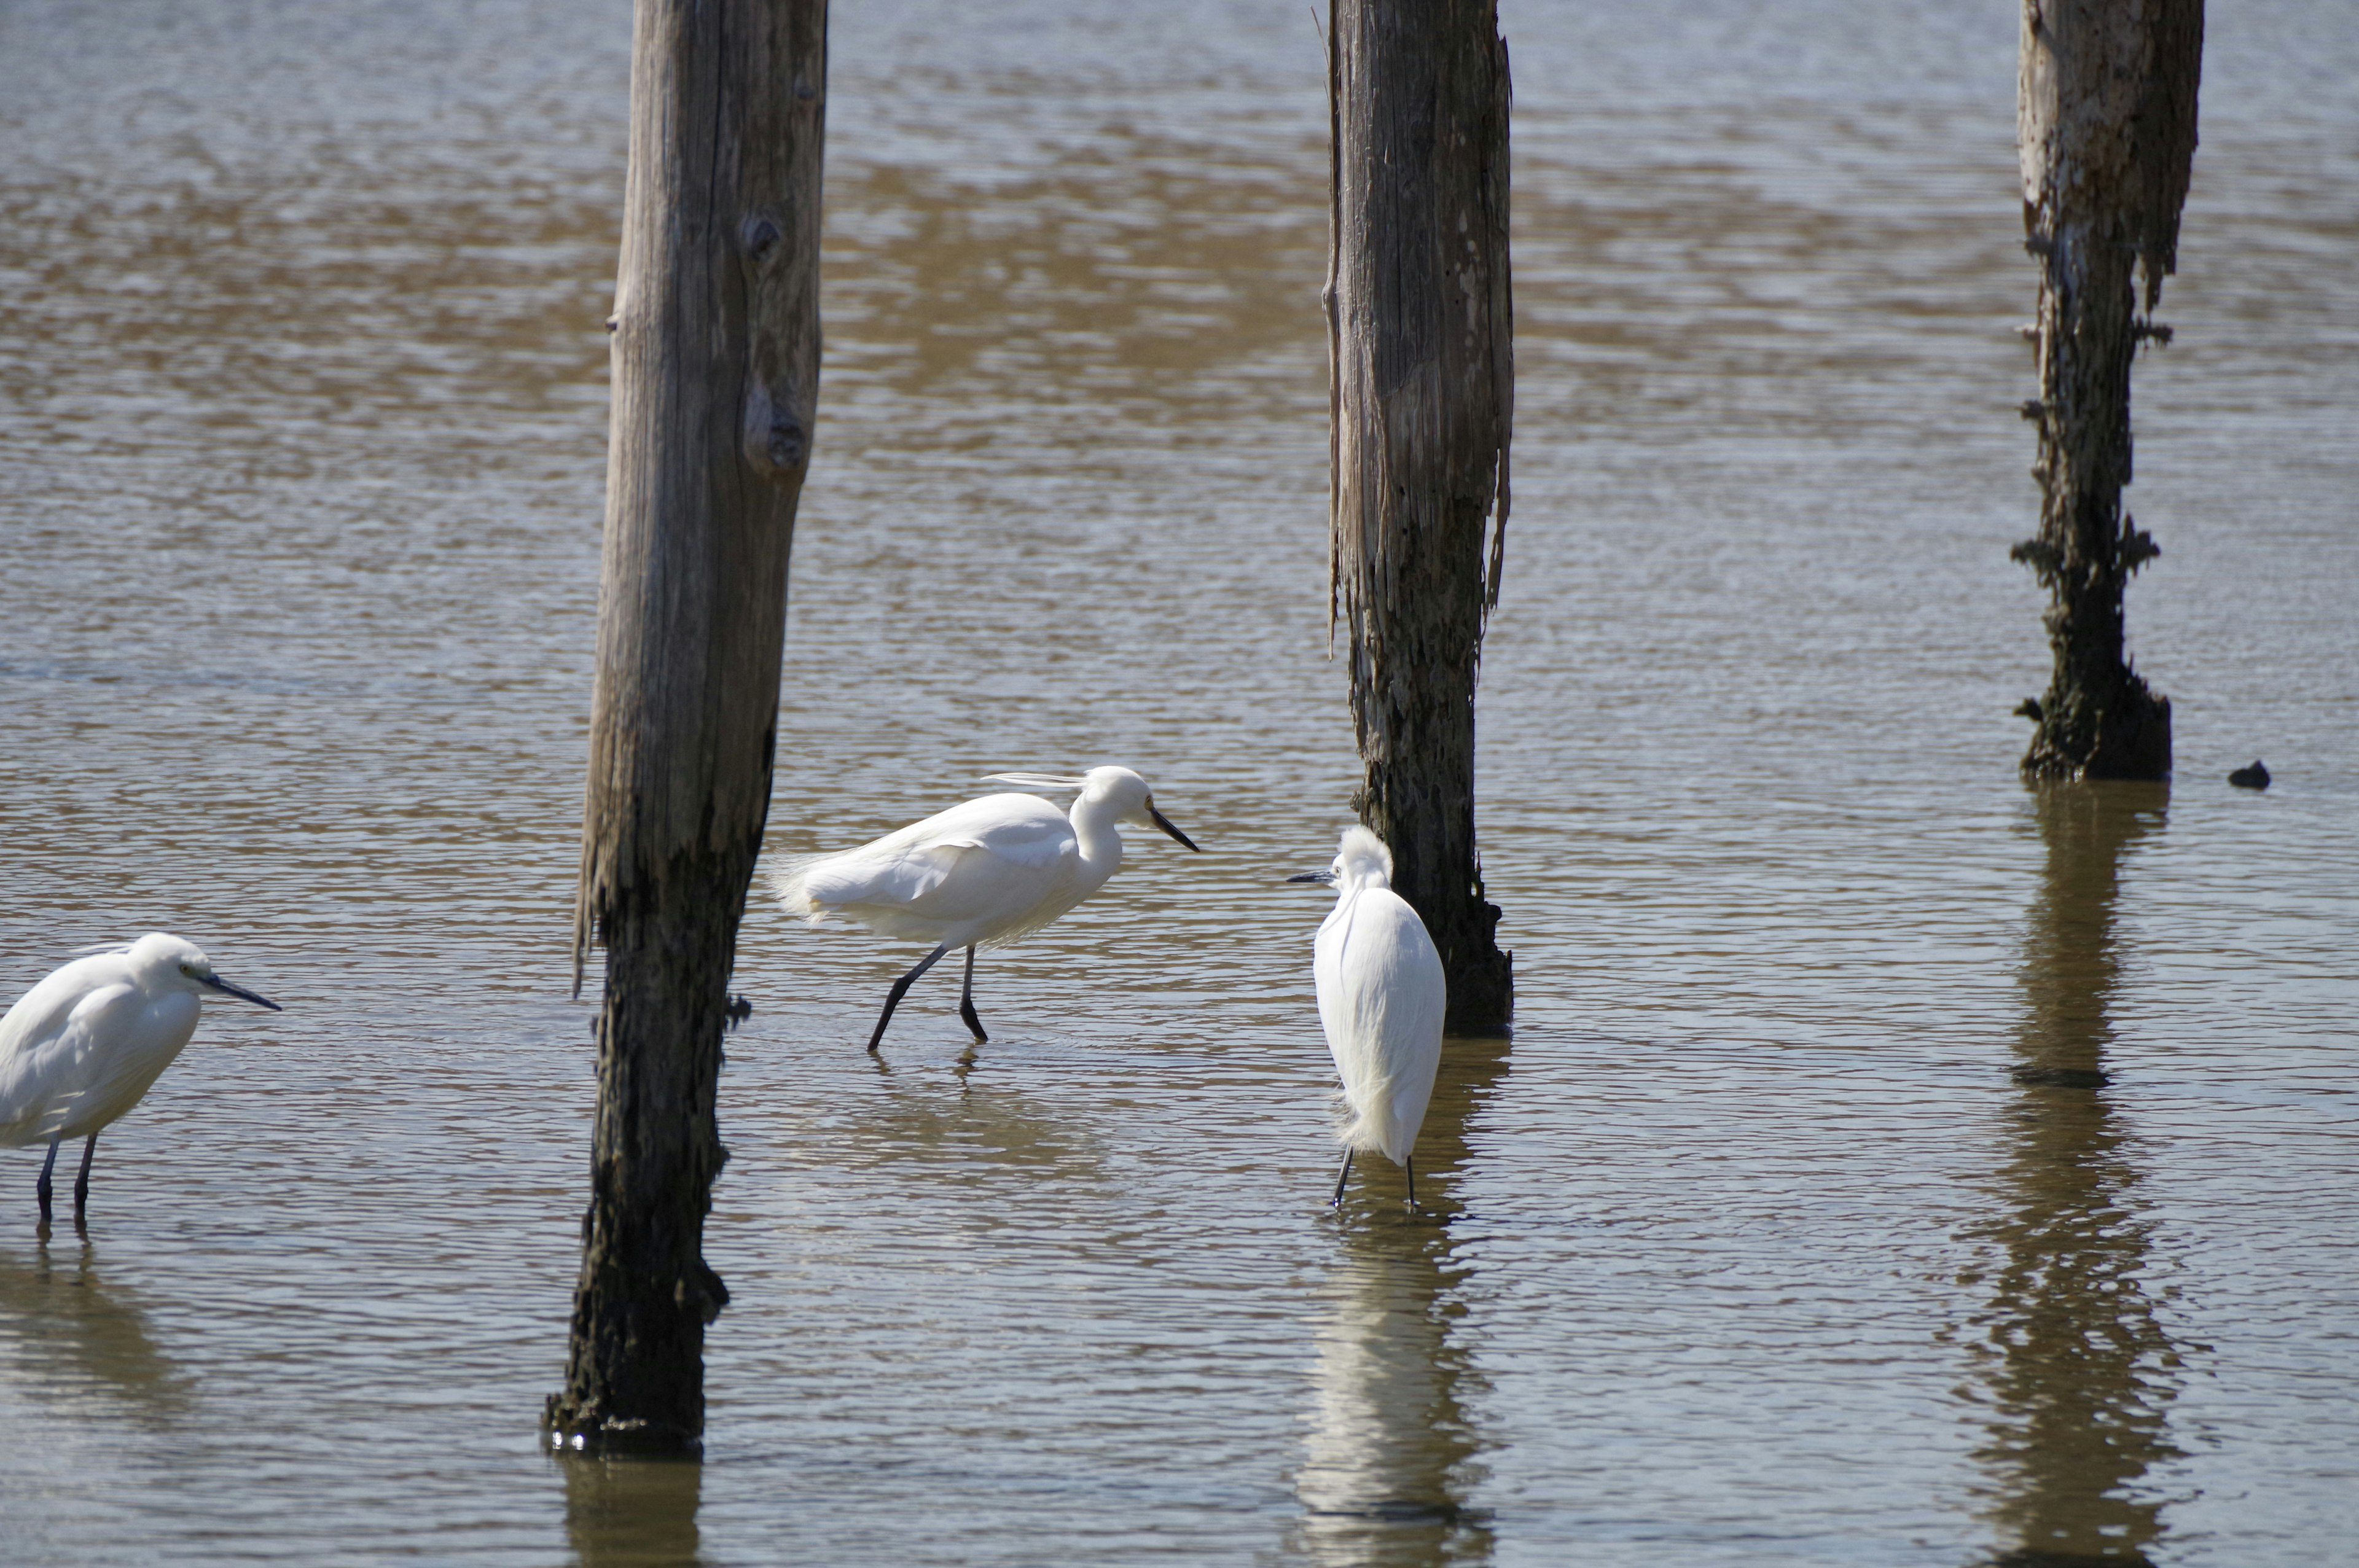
<point>715,387</point>
<point>1420,339</point>
<point>2105,128</point>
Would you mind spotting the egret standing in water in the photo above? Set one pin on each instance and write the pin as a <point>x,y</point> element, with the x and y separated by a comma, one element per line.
<point>1381,996</point>
<point>981,874</point>
<point>81,1048</point>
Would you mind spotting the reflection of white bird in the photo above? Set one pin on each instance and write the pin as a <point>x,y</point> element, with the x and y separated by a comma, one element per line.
<point>80,1048</point>
<point>1387,1441</point>
<point>981,874</point>
<point>1381,994</point>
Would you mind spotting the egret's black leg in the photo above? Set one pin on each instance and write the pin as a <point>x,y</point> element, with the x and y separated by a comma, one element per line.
<point>1409,1168</point>
<point>966,1003</point>
<point>82,1179</point>
<point>901,989</point>
<point>41,1188</point>
<point>1341,1180</point>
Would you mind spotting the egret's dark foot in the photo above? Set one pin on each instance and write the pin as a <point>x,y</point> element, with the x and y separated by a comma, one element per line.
<point>41,1187</point>
<point>1336,1202</point>
<point>966,1003</point>
<point>82,1179</point>
<point>2255,777</point>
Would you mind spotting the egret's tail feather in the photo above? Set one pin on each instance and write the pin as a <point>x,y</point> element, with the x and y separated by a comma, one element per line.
<point>1355,1128</point>
<point>788,881</point>
<point>1375,1128</point>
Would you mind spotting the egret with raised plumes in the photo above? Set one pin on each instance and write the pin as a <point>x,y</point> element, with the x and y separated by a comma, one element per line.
<point>82,1047</point>
<point>979,875</point>
<point>1380,999</point>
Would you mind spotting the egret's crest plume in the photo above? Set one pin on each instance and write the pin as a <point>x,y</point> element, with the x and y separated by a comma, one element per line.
<point>1362,856</point>
<point>1034,781</point>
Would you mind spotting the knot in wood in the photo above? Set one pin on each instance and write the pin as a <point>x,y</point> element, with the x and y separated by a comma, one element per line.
<point>787,442</point>
<point>777,442</point>
<point>762,235</point>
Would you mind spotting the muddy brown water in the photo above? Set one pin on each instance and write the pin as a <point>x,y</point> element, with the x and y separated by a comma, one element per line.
<point>1890,1165</point>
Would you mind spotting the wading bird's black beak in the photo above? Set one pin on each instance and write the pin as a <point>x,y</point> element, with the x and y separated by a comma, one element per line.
<point>219,984</point>
<point>1325,876</point>
<point>1164,823</point>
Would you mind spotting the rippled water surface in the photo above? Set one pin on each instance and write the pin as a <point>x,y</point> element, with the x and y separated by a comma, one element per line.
<point>1789,1228</point>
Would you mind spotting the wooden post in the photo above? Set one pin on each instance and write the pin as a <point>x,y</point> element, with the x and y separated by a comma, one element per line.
<point>2105,128</point>
<point>1420,339</point>
<point>715,387</point>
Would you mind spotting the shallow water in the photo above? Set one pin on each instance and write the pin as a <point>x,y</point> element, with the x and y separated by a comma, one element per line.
<point>1787,1229</point>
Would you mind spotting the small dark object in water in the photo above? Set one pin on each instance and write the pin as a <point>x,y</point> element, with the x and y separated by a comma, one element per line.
<point>2060,1077</point>
<point>2029,708</point>
<point>2255,777</point>
<point>738,1010</point>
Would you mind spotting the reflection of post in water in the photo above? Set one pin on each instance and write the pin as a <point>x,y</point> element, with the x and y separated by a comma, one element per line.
<point>631,1512</point>
<point>2079,1372</point>
<point>75,1335</point>
<point>1391,1453</point>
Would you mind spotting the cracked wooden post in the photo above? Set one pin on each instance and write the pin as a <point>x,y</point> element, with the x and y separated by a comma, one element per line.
<point>1420,340</point>
<point>2106,132</point>
<point>716,385</point>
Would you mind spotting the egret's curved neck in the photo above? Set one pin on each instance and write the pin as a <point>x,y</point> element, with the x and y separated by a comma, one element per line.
<point>1094,831</point>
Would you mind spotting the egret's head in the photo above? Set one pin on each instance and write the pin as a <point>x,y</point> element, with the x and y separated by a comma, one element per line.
<point>1120,788</point>
<point>1127,793</point>
<point>1123,790</point>
<point>161,960</point>
<point>1361,860</point>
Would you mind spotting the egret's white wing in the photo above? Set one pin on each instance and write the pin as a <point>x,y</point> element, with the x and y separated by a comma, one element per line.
<point>986,871</point>
<point>53,1067</point>
<point>1380,999</point>
<point>41,1012</point>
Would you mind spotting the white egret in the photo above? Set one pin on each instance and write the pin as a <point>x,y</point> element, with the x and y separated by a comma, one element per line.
<point>1381,996</point>
<point>981,874</point>
<point>81,1048</point>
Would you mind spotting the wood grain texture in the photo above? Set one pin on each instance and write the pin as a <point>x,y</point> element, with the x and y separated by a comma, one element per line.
<point>1422,378</point>
<point>2105,129</point>
<point>715,346</point>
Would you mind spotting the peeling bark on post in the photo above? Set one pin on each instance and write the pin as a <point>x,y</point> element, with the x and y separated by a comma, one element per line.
<point>2106,132</point>
<point>716,385</point>
<point>1420,339</point>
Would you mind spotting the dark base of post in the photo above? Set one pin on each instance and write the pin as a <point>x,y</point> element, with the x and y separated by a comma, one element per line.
<point>582,1429</point>
<point>1480,978</point>
<point>1482,997</point>
<point>2128,736</point>
<point>635,1380</point>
